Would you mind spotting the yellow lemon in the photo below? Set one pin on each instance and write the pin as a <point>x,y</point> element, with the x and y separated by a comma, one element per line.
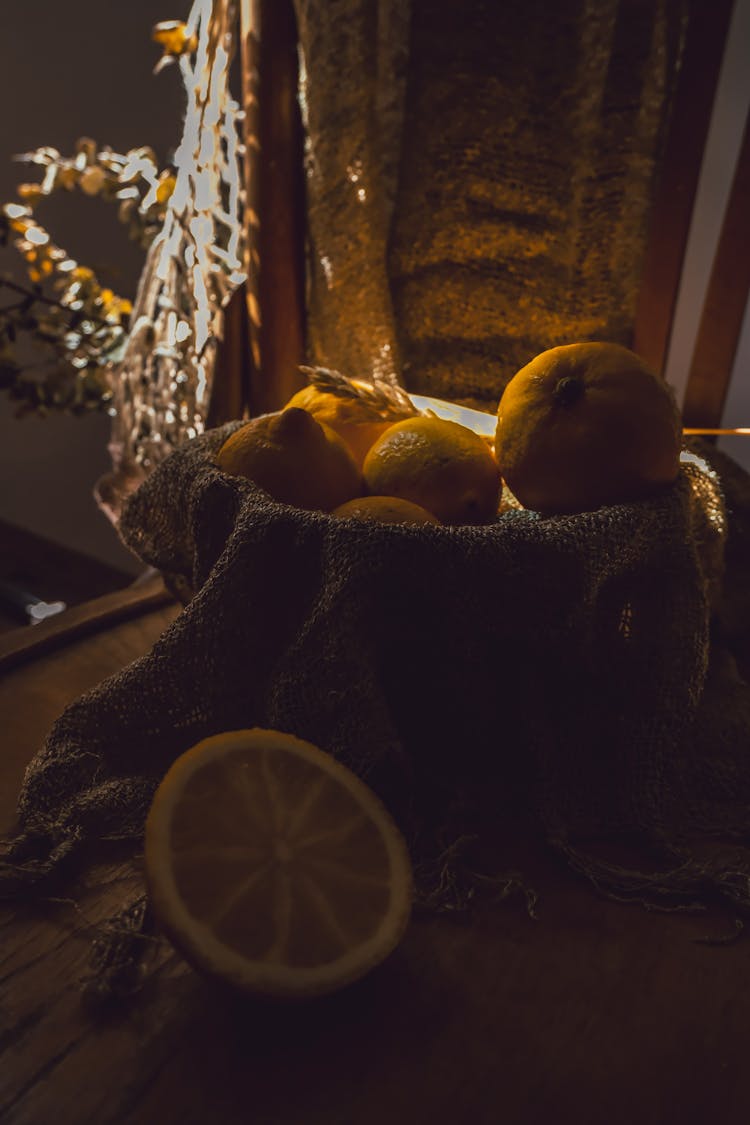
<point>384,509</point>
<point>272,867</point>
<point>440,465</point>
<point>294,458</point>
<point>584,425</point>
<point>356,420</point>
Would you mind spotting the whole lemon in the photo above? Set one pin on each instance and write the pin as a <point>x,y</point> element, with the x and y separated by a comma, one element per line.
<point>294,458</point>
<point>384,509</point>
<point>586,425</point>
<point>440,465</point>
<point>356,420</point>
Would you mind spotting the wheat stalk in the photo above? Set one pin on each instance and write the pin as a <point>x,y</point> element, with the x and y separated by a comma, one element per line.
<point>387,399</point>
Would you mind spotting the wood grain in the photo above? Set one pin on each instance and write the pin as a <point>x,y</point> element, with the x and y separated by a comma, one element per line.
<point>30,642</point>
<point>280,195</point>
<point>50,571</point>
<point>99,640</point>
<point>595,1012</point>
<point>678,181</point>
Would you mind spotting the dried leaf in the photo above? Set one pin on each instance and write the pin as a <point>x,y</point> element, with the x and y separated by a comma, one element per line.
<point>92,180</point>
<point>175,37</point>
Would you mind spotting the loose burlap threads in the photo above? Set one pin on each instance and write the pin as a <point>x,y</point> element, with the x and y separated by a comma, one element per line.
<point>545,670</point>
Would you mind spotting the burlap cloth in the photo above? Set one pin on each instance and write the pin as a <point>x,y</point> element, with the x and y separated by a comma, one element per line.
<point>479,179</point>
<point>550,672</point>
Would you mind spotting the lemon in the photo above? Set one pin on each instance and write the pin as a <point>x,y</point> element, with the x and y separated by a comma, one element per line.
<point>384,509</point>
<point>294,458</point>
<point>273,868</point>
<point>584,425</point>
<point>440,465</point>
<point>356,420</point>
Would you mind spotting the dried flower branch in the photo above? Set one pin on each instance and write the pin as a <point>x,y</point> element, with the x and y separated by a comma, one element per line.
<point>132,179</point>
<point>150,366</point>
<point>79,323</point>
<point>76,339</point>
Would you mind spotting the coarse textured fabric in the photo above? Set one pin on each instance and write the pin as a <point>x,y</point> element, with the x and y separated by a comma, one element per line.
<point>480,178</point>
<point>353,57</point>
<point>545,670</point>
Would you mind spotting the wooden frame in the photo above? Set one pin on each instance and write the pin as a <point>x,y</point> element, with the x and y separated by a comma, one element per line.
<point>678,182</point>
<point>724,307</point>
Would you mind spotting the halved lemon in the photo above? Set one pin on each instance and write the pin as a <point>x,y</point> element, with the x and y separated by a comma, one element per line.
<point>274,867</point>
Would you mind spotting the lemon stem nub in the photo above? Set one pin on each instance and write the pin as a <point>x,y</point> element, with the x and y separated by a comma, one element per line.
<point>569,390</point>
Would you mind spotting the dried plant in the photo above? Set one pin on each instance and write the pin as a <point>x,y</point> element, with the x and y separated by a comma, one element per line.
<point>77,324</point>
<point>385,397</point>
<point>149,363</point>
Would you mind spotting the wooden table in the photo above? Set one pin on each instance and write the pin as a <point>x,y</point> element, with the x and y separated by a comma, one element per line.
<point>596,1012</point>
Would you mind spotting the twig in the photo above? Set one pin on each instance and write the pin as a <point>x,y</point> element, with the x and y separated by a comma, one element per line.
<point>34,295</point>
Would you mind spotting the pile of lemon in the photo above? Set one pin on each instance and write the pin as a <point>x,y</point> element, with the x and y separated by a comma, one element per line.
<point>579,427</point>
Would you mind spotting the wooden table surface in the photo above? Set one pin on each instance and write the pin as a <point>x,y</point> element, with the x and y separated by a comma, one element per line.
<point>597,1012</point>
